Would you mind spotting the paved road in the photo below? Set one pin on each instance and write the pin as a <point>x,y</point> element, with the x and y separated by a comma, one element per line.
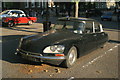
<point>101,63</point>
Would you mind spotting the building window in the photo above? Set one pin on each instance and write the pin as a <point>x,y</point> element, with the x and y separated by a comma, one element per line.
<point>42,3</point>
<point>4,5</point>
<point>33,3</point>
<point>0,4</point>
<point>27,4</point>
<point>45,4</point>
<point>38,3</point>
<point>98,6</point>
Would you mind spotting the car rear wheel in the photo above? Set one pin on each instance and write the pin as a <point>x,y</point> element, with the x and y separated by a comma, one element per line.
<point>71,57</point>
<point>30,22</point>
<point>10,24</point>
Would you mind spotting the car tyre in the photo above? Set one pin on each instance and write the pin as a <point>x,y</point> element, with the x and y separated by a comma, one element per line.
<point>71,58</point>
<point>30,22</point>
<point>11,24</point>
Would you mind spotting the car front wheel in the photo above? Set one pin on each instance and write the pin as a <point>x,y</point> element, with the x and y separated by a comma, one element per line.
<point>71,57</point>
<point>10,24</point>
<point>30,22</point>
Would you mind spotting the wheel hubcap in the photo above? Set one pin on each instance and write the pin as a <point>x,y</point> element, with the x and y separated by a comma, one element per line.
<point>30,22</point>
<point>10,24</point>
<point>72,57</point>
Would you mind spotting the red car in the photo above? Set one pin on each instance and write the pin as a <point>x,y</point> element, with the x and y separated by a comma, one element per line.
<point>18,17</point>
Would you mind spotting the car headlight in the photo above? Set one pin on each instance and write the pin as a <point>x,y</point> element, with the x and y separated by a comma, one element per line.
<point>54,49</point>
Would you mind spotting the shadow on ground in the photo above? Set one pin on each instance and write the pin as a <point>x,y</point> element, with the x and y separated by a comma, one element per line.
<point>115,30</point>
<point>13,37</point>
<point>21,29</point>
<point>114,41</point>
<point>9,46</point>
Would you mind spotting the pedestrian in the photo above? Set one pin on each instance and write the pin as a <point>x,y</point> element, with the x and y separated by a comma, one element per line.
<point>86,13</point>
<point>42,13</point>
<point>30,13</point>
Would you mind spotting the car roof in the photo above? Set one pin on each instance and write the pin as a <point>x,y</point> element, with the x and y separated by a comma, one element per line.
<point>13,10</point>
<point>79,19</point>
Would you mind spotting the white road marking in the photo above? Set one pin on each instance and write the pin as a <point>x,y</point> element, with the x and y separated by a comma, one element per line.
<point>114,46</point>
<point>92,61</point>
<point>110,49</point>
<point>71,78</point>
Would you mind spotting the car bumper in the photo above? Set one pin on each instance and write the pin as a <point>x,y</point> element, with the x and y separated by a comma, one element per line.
<point>47,59</point>
<point>4,22</point>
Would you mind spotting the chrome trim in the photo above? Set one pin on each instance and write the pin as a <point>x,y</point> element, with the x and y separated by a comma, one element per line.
<point>41,56</point>
<point>45,57</point>
<point>28,52</point>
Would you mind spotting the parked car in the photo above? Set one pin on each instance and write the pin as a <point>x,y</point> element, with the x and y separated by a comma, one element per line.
<point>8,13</point>
<point>107,16</point>
<point>13,17</point>
<point>69,39</point>
<point>118,14</point>
<point>93,12</point>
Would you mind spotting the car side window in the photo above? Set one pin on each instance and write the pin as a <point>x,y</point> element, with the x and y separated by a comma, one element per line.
<point>69,25</point>
<point>88,27</point>
<point>78,27</point>
<point>97,27</point>
<point>13,13</point>
<point>21,15</point>
<point>17,14</point>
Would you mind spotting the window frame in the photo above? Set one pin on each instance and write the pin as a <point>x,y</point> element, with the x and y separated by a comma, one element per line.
<point>92,27</point>
<point>100,27</point>
<point>32,3</point>
<point>27,4</point>
<point>39,3</point>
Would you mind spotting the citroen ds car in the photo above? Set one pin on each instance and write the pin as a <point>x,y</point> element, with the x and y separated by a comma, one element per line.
<point>67,40</point>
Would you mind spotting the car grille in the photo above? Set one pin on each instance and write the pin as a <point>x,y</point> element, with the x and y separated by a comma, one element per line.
<point>29,53</point>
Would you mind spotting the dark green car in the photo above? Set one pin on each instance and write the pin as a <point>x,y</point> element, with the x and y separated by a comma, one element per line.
<point>69,39</point>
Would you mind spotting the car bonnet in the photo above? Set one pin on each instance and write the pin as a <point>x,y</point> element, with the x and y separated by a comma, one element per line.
<point>37,43</point>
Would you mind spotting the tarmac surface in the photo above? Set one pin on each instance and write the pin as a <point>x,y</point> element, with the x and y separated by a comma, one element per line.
<point>101,63</point>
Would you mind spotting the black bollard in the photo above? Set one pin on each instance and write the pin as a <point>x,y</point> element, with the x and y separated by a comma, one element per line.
<point>46,25</point>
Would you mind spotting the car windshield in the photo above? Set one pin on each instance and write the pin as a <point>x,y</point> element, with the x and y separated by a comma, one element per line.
<point>69,25</point>
<point>4,12</point>
<point>59,25</point>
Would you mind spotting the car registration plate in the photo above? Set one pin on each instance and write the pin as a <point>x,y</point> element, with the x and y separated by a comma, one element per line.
<point>31,58</point>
